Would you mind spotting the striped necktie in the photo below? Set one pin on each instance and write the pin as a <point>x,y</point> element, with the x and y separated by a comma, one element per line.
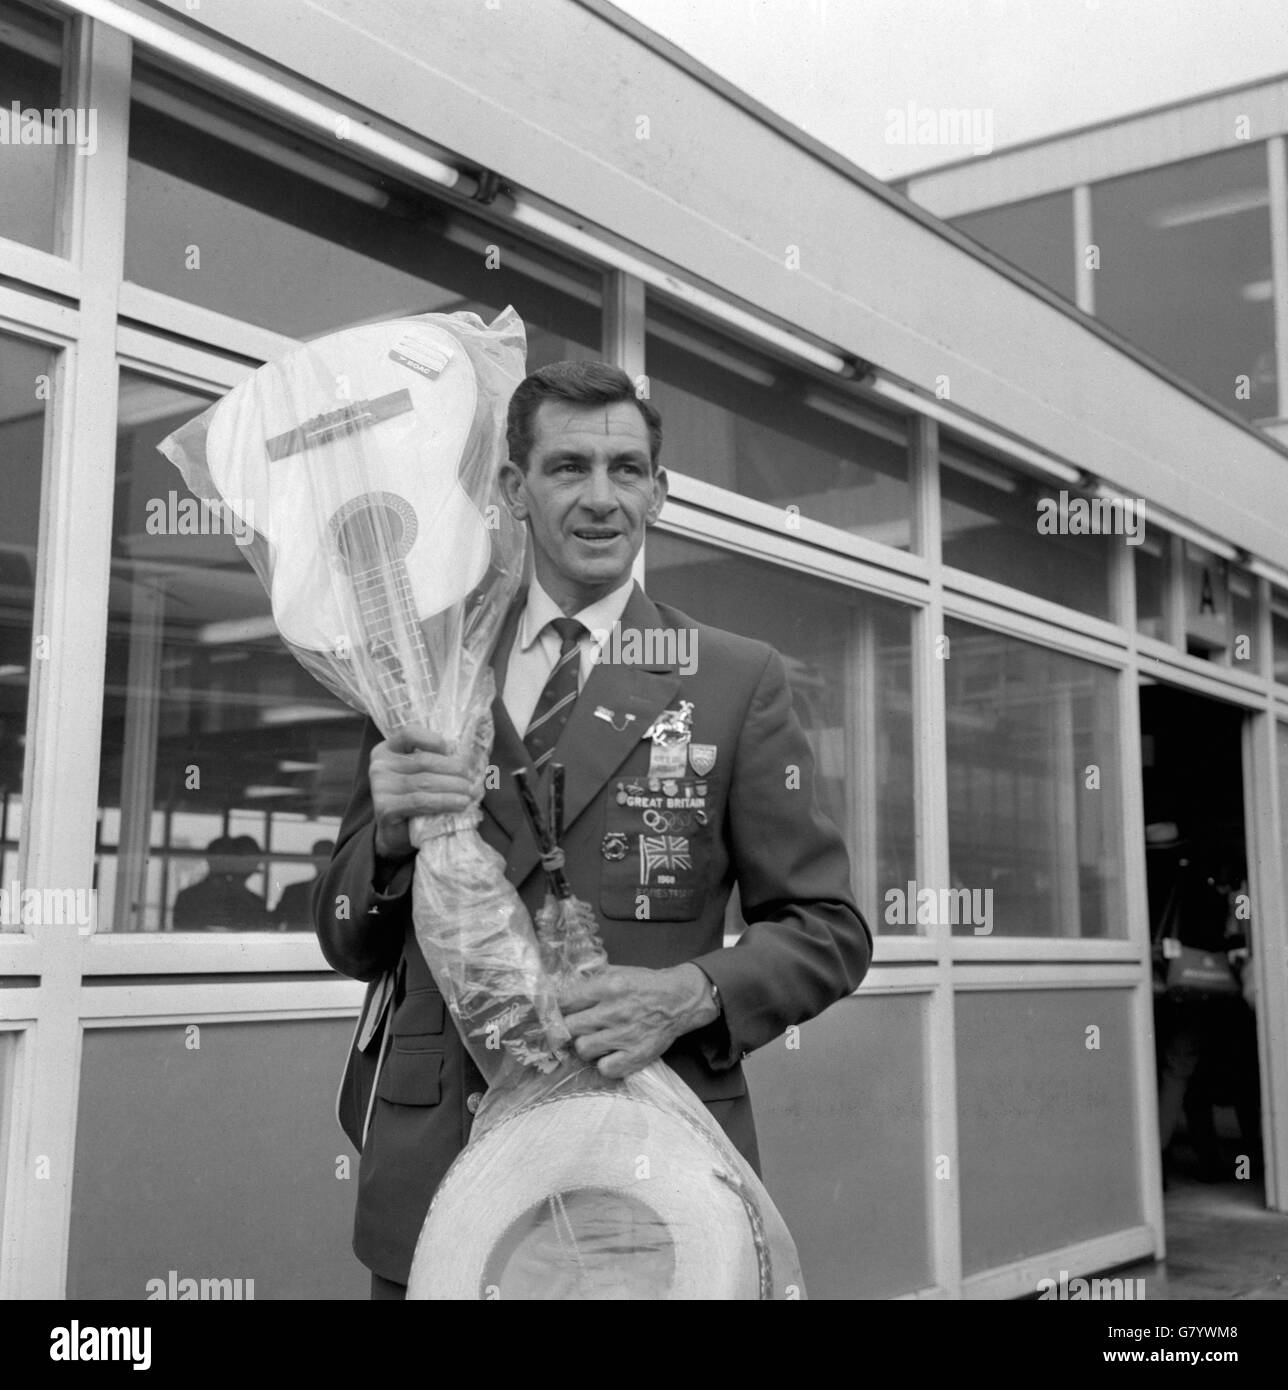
<point>556,702</point>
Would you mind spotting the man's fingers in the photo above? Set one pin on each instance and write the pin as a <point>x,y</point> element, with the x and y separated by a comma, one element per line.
<point>592,1045</point>
<point>585,994</point>
<point>388,784</point>
<point>573,998</point>
<point>582,1021</point>
<point>420,764</point>
<point>415,737</point>
<point>619,1065</point>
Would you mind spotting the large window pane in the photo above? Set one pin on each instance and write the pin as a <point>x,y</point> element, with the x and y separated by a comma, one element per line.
<point>848,658</point>
<point>1185,272</point>
<point>227,213</point>
<point>223,762</point>
<point>31,54</point>
<point>751,425</point>
<point>1036,235</point>
<point>1005,526</point>
<point>1033,787</point>
<point>24,379</point>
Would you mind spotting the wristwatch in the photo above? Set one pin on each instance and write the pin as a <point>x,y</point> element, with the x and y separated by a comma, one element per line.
<point>715,994</point>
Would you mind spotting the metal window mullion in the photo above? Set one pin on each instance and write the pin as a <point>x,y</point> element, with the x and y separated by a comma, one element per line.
<point>26,265</point>
<point>1122,588</point>
<point>164,313</point>
<point>1084,278</point>
<point>622,343</point>
<point>64,716</point>
<point>930,778</point>
<point>1265,810</point>
<point>1174,593</point>
<point>860,743</point>
<point>1135,904</point>
<point>623,323</point>
<point>731,533</point>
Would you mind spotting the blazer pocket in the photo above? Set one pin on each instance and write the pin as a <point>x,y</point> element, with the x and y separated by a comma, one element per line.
<point>656,852</point>
<point>411,1076</point>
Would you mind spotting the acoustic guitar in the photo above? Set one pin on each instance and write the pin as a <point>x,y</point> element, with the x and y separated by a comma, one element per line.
<point>345,456</point>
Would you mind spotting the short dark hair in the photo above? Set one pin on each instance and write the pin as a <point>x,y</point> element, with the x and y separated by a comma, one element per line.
<point>577,383</point>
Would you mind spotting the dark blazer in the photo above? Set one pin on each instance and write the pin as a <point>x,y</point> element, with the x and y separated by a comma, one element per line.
<point>658,904</point>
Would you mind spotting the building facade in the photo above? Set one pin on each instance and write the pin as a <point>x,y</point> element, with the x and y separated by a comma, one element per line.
<point>867,417</point>
<point>1170,226</point>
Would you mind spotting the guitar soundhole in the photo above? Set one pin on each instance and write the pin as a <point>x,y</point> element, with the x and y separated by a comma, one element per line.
<point>373,530</point>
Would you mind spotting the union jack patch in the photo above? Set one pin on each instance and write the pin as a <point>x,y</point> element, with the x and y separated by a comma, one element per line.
<point>665,852</point>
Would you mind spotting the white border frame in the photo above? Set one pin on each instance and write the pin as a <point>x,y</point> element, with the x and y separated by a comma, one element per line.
<point>118,324</point>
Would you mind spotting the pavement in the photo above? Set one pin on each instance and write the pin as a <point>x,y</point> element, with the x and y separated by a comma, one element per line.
<point>1222,1244</point>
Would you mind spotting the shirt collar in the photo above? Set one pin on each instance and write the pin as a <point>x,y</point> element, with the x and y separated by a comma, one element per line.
<point>599,616</point>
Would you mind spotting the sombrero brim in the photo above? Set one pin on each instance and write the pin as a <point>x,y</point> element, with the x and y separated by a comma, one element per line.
<point>594,1195</point>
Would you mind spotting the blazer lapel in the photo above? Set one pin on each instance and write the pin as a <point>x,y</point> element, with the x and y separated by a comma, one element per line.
<point>593,747</point>
<point>502,801</point>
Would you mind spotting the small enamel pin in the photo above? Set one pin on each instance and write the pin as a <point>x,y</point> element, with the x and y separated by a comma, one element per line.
<point>672,725</point>
<point>609,717</point>
<point>702,757</point>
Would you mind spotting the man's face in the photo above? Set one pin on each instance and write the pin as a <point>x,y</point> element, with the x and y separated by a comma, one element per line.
<point>588,493</point>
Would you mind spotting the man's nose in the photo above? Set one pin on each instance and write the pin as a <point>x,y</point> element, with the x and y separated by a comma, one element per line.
<point>600,495</point>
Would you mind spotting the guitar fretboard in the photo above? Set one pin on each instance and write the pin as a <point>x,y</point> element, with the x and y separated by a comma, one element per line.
<point>394,638</point>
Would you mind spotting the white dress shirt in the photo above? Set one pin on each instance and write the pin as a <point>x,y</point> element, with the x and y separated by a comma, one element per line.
<point>536,646</point>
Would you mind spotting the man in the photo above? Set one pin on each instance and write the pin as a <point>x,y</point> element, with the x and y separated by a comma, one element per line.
<point>294,910</point>
<point>221,901</point>
<point>657,828</point>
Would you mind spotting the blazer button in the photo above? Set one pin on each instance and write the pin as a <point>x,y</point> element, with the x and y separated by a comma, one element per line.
<point>473,1101</point>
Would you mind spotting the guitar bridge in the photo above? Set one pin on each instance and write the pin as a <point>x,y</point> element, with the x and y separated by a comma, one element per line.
<point>322,429</point>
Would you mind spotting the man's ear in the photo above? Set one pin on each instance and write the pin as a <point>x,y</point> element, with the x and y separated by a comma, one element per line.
<point>513,480</point>
<point>660,485</point>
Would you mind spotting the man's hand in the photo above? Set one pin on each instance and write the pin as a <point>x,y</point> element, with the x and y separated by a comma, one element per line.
<point>626,1016</point>
<point>413,774</point>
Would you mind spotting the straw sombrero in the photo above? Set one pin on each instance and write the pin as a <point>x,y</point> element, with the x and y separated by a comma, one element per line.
<point>601,1194</point>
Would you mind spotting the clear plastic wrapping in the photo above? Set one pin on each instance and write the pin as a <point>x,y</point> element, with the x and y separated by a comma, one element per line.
<point>574,1187</point>
<point>366,464</point>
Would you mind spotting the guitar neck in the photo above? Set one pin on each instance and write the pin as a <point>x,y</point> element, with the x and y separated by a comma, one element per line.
<point>394,639</point>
